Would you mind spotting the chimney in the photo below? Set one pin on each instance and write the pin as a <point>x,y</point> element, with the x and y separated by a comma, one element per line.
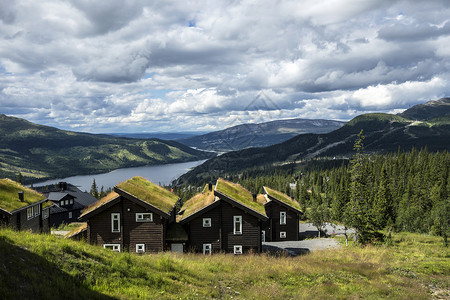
<point>210,186</point>
<point>21,196</point>
<point>254,197</point>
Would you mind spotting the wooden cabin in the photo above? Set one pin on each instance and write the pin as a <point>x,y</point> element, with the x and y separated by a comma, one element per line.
<point>134,217</point>
<point>226,219</point>
<point>22,208</point>
<point>68,202</point>
<point>284,215</point>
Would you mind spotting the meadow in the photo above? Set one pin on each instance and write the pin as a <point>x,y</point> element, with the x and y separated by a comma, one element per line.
<point>414,266</point>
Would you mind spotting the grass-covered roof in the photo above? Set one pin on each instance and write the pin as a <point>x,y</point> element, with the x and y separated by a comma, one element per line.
<point>9,197</point>
<point>196,203</point>
<point>241,195</point>
<point>283,198</point>
<point>108,198</point>
<point>149,192</point>
<point>76,230</point>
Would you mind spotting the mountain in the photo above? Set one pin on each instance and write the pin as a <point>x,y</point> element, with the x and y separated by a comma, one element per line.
<point>42,152</point>
<point>157,135</point>
<point>428,111</point>
<point>383,133</point>
<point>259,135</point>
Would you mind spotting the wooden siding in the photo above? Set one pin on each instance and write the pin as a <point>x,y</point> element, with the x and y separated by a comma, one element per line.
<point>273,226</point>
<point>199,235</point>
<point>250,239</point>
<point>131,232</point>
<point>57,219</point>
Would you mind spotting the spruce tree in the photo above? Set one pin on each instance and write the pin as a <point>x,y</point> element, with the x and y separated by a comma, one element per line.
<point>94,189</point>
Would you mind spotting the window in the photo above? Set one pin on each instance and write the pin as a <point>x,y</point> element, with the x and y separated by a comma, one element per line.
<point>113,247</point>
<point>37,210</point>
<point>29,213</point>
<point>207,249</point>
<point>282,217</point>
<point>61,203</point>
<point>70,215</point>
<point>140,248</point>
<point>237,220</point>
<point>206,222</point>
<point>71,201</point>
<point>282,234</point>
<point>67,202</point>
<point>263,236</point>
<point>45,214</point>
<point>144,217</point>
<point>115,222</point>
<point>238,249</point>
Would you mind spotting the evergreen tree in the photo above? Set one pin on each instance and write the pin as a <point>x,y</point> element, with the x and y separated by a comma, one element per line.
<point>20,178</point>
<point>383,210</point>
<point>94,190</point>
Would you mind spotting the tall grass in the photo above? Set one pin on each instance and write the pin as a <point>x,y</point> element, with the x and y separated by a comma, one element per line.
<point>46,267</point>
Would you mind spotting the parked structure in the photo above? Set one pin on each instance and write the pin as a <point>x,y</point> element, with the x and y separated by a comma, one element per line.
<point>68,202</point>
<point>284,216</point>
<point>134,217</point>
<point>227,218</point>
<point>22,208</point>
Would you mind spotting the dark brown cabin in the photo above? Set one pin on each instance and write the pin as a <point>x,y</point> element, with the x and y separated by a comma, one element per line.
<point>22,208</point>
<point>284,215</point>
<point>227,219</point>
<point>133,218</point>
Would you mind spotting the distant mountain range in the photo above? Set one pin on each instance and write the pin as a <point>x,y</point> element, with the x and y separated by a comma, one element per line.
<point>42,152</point>
<point>171,136</point>
<point>258,135</point>
<point>425,125</point>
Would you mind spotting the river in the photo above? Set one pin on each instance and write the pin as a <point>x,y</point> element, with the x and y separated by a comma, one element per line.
<point>159,174</point>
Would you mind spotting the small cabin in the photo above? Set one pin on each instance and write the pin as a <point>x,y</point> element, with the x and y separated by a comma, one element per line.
<point>134,217</point>
<point>22,208</point>
<point>284,216</point>
<point>226,219</point>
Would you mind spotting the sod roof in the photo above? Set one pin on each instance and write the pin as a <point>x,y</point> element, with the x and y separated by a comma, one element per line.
<point>241,195</point>
<point>149,192</point>
<point>197,203</point>
<point>77,230</point>
<point>282,197</point>
<point>9,197</point>
<point>103,201</point>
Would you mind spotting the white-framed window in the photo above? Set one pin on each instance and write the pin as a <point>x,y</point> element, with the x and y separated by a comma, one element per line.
<point>237,221</point>
<point>282,234</point>
<point>37,210</point>
<point>282,217</point>
<point>238,249</point>
<point>45,213</point>
<point>207,249</point>
<point>140,248</point>
<point>206,222</point>
<point>70,215</point>
<point>115,222</point>
<point>71,201</point>
<point>67,202</point>
<point>29,213</point>
<point>144,217</point>
<point>61,203</point>
<point>263,236</point>
<point>113,247</point>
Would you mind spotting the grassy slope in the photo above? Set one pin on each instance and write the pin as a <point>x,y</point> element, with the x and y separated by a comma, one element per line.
<point>42,152</point>
<point>46,267</point>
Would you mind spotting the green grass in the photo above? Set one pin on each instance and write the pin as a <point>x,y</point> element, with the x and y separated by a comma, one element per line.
<point>283,198</point>
<point>46,267</point>
<point>9,199</point>
<point>197,202</point>
<point>240,194</point>
<point>149,192</point>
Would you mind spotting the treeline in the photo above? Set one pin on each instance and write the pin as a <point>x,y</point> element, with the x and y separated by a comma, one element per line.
<point>403,191</point>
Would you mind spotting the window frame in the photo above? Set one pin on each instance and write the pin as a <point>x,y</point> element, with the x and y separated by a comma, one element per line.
<point>142,219</point>
<point>115,217</point>
<point>283,234</point>
<point>30,214</point>
<point>206,222</point>
<point>45,213</point>
<point>140,245</point>
<point>37,210</point>
<point>70,215</point>
<point>283,218</point>
<point>112,247</point>
<point>205,246</point>
<point>71,202</point>
<point>237,220</point>
<point>237,249</point>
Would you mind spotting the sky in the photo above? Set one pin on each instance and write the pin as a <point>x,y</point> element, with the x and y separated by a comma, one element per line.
<point>179,66</point>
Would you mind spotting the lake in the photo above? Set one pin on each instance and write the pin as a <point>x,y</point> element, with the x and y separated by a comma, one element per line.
<point>159,174</point>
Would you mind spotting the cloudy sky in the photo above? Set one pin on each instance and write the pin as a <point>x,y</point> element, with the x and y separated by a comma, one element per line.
<point>149,66</point>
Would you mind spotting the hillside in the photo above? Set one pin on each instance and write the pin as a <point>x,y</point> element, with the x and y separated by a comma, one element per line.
<point>429,110</point>
<point>46,152</point>
<point>383,132</point>
<point>47,267</point>
<point>259,135</point>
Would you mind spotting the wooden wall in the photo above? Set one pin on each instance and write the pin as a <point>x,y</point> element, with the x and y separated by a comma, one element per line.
<point>199,235</point>
<point>273,226</point>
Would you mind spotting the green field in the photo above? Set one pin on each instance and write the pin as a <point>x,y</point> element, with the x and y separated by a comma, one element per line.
<point>47,267</point>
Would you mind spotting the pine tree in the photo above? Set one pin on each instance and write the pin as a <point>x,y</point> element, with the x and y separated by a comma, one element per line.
<point>20,178</point>
<point>94,189</point>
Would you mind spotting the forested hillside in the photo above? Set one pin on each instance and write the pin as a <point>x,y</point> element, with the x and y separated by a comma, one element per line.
<point>38,151</point>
